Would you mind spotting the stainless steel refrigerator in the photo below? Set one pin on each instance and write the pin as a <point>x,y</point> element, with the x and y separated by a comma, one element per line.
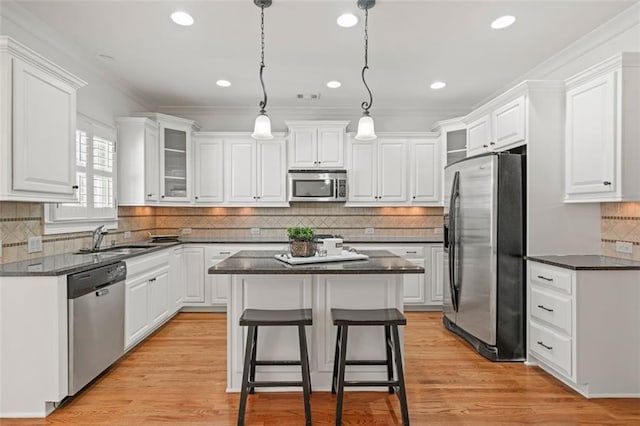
<point>484,289</point>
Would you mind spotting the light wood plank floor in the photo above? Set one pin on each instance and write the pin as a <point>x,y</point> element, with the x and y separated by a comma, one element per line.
<point>178,377</point>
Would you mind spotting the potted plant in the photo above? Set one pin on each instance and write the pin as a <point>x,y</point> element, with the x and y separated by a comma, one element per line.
<point>302,241</point>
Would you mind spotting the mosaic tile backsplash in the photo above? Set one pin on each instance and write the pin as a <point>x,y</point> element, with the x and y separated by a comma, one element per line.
<point>19,221</point>
<point>620,222</point>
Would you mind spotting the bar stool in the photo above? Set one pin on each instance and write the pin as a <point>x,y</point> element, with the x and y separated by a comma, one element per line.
<point>257,317</point>
<point>390,319</point>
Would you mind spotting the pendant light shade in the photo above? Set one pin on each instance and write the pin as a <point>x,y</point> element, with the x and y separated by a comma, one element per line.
<point>262,128</point>
<point>366,131</point>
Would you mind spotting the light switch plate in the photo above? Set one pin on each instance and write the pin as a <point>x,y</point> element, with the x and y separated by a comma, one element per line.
<point>438,230</point>
<point>0,248</point>
<point>369,231</point>
<point>624,247</point>
<point>127,235</point>
<point>255,231</point>
<point>186,231</point>
<point>34,244</point>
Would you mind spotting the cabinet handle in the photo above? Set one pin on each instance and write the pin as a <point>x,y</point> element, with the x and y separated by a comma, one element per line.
<point>414,197</point>
<point>319,162</point>
<point>162,196</point>
<point>412,252</point>
<point>149,195</point>
<point>257,198</point>
<point>75,187</point>
<point>544,346</point>
<point>152,280</point>
<point>545,308</point>
<point>606,183</point>
<point>196,197</point>
<point>545,278</point>
<point>225,252</point>
<point>485,146</point>
<point>492,143</point>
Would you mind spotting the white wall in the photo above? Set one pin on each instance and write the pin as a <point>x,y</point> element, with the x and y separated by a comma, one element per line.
<point>101,99</point>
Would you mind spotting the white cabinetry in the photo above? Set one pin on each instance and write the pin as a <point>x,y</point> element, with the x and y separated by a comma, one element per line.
<point>138,162</point>
<point>497,126</point>
<point>316,144</point>
<point>602,132</point>
<point>175,158</point>
<point>176,279</point>
<point>377,171</point>
<point>209,168</point>
<point>426,171</point>
<point>146,295</point>
<point>195,293</point>
<point>219,283</point>
<point>255,173</point>
<point>571,332</point>
<point>38,126</point>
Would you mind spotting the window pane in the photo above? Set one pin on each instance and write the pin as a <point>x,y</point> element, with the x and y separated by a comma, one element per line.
<point>81,148</point>
<point>102,154</point>
<point>102,192</point>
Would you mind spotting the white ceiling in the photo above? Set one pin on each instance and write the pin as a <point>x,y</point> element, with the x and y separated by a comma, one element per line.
<point>412,43</point>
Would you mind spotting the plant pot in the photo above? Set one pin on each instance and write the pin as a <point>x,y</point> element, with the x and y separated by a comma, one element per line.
<point>302,248</point>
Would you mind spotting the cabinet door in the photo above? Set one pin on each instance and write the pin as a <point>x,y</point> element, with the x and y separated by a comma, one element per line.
<point>509,124</point>
<point>176,280</point>
<point>331,147</point>
<point>414,285</point>
<point>478,136</point>
<point>240,171</point>
<point>303,148</point>
<point>194,276</point>
<point>158,298</point>
<point>392,170</point>
<point>219,285</point>
<point>174,165</point>
<point>590,141</point>
<point>209,183</point>
<point>425,171</point>
<point>136,321</point>
<point>43,130</point>
<point>272,169</point>
<point>362,172</point>
<point>152,161</point>
<point>437,274</point>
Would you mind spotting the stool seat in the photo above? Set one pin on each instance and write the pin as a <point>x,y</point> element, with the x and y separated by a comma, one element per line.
<point>276,317</point>
<point>390,316</point>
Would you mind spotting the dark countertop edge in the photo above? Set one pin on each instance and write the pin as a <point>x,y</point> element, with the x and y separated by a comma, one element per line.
<point>283,241</point>
<point>556,260</point>
<point>212,271</point>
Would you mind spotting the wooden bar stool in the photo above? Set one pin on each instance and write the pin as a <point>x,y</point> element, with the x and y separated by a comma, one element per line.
<point>257,317</point>
<point>390,319</point>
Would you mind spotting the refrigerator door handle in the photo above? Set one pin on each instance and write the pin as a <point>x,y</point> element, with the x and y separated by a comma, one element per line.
<point>455,194</point>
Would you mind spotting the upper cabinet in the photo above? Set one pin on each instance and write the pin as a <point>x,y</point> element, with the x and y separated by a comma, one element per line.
<point>255,171</point>
<point>209,168</point>
<point>497,127</point>
<point>602,130</point>
<point>38,126</point>
<point>316,144</point>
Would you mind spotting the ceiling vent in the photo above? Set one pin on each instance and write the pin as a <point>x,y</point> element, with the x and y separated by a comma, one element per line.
<point>311,96</point>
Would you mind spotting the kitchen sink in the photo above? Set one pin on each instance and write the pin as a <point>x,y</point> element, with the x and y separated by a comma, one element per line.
<point>115,251</point>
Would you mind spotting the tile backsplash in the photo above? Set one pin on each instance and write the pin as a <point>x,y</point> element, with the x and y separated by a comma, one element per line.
<point>19,221</point>
<point>620,222</point>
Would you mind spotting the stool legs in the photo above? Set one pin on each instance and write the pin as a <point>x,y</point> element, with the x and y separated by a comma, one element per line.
<point>306,375</point>
<point>252,373</point>
<point>342,363</point>
<point>334,376</point>
<point>245,373</point>
<point>388,344</point>
<point>402,394</point>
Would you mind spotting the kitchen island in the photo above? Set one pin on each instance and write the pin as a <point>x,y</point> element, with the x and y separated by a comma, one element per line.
<point>258,281</point>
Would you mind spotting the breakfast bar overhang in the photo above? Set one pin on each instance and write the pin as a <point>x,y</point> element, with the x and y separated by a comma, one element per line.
<point>256,280</point>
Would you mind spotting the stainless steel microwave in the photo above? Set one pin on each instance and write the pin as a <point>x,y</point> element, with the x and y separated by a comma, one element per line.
<point>318,185</point>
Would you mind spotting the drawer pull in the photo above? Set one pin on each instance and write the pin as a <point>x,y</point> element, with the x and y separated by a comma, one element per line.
<point>544,346</point>
<point>225,252</point>
<point>545,308</point>
<point>545,278</point>
<point>412,252</point>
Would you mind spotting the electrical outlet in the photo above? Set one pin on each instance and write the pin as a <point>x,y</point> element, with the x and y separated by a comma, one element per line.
<point>624,247</point>
<point>369,231</point>
<point>438,231</point>
<point>255,231</point>
<point>127,235</point>
<point>186,231</point>
<point>0,248</point>
<point>34,244</point>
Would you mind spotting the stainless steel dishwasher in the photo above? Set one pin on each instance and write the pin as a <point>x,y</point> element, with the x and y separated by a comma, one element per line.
<point>96,322</point>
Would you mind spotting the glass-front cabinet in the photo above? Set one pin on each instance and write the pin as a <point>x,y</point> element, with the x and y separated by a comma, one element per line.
<point>175,182</point>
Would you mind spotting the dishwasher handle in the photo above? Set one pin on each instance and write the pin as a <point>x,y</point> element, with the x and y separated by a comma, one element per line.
<point>102,292</point>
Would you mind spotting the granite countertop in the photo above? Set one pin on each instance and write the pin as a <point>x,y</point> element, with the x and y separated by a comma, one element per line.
<point>587,262</point>
<point>263,262</point>
<point>347,240</point>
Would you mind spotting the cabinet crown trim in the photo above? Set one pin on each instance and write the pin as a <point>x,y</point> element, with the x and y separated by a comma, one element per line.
<point>316,123</point>
<point>621,60</point>
<point>157,116</point>
<point>19,50</point>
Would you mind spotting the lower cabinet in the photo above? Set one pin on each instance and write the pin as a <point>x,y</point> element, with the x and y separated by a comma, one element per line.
<point>195,293</point>
<point>583,328</point>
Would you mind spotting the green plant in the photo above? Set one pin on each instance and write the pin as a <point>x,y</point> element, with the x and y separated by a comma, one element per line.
<point>301,233</point>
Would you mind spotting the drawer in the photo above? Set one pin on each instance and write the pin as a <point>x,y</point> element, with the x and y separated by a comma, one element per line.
<point>140,264</point>
<point>550,307</point>
<point>550,276</point>
<point>550,346</point>
<point>407,252</point>
<point>221,253</point>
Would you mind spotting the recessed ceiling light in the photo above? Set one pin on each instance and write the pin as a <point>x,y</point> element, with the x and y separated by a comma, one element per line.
<point>223,83</point>
<point>182,18</point>
<point>503,22</point>
<point>438,85</point>
<point>347,20</point>
<point>334,84</point>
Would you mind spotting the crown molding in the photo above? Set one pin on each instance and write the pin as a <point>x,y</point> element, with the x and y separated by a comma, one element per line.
<point>12,11</point>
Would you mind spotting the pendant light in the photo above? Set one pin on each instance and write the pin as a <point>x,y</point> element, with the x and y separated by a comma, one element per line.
<point>366,131</point>
<point>262,127</point>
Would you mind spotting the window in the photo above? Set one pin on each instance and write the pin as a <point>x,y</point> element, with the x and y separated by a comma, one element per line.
<point>95,177</point>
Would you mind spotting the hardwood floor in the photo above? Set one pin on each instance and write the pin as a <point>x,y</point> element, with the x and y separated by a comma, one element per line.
<point>178,377</point>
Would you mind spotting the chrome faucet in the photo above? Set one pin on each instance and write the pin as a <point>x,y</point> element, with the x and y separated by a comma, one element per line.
<point>97,236</point>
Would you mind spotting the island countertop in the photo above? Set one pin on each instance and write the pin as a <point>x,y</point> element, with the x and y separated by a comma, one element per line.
<point>264,262</point>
